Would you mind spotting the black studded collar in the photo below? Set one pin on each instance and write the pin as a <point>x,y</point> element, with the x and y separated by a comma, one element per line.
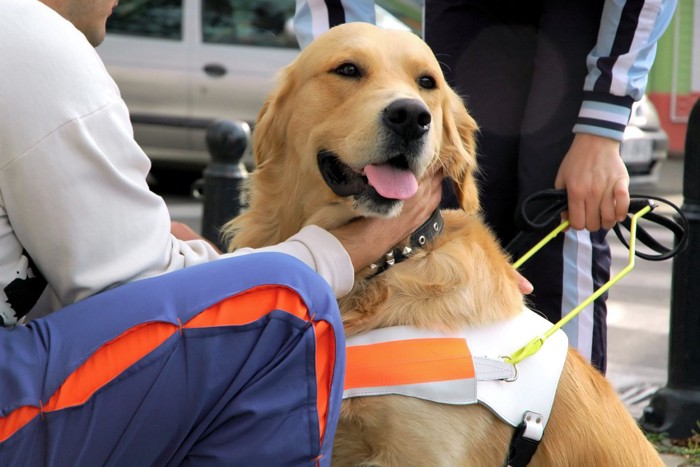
<point>419,238</point>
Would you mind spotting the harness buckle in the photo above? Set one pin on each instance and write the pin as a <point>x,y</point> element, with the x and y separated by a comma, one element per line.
<point>526,439</point>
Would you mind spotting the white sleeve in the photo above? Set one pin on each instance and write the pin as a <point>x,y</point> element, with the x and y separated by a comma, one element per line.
<point>321,251</point>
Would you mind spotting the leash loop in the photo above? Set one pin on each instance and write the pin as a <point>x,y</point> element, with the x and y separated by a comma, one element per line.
<point>680,228</point>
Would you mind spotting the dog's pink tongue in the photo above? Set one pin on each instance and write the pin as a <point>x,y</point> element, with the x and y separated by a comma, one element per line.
<point>391,182</point>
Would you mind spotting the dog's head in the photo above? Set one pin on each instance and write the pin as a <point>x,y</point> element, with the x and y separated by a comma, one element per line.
<point>357,120</point>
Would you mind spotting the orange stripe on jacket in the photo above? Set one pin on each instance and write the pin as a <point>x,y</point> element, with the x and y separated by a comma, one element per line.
<point>110,360</point>
<point>249,307</point>
<point>16,420</point>
<point>409,361</point>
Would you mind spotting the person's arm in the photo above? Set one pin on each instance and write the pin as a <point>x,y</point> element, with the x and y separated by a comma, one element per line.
<point>90,221</point>
<point>592,171</point>
<point>313,18</point>
<point>73,179</point>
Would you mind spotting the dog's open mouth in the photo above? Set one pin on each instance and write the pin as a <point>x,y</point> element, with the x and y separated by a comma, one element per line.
<point>391,180</point>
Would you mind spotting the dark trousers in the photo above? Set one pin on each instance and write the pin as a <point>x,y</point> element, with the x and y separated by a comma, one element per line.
<point>520,67</point>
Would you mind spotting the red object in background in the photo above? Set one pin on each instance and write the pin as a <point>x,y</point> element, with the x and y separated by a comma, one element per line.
<point>674,121</point>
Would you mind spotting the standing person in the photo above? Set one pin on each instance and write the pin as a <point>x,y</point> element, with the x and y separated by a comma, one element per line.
<point>237,361</point>
<point>551,84</point>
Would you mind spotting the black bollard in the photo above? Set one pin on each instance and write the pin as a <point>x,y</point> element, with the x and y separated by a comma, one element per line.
<point>675,409</point>
<point>223,177</point>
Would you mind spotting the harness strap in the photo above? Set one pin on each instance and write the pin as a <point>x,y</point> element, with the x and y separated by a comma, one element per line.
<point>520,394</point>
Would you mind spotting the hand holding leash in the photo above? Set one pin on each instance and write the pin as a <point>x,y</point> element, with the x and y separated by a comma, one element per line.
<point>542,210</point>
<point>643,207</point>
<point>596,182</point>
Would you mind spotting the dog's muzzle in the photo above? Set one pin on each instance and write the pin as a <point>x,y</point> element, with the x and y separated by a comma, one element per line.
<point>391,180</point>
<point>404,125</point>
<point>339,177</point>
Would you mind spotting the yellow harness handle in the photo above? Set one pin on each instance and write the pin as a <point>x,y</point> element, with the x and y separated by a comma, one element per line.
<point>535,344</point>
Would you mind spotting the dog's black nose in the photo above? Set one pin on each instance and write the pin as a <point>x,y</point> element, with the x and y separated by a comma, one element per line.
<point>409,118</point>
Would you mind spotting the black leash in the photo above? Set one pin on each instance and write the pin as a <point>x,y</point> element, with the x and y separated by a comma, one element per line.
<point>543,209</point>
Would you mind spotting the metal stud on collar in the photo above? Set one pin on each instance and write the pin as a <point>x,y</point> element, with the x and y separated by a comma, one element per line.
<point>424,234</point>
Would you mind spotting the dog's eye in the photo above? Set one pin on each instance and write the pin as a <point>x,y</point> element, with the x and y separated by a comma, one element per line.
<point>426,82</point>
<point>349,70</point>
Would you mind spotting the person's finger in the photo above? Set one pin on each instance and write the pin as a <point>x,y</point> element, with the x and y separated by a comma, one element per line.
<point>576,211</point>
<point>622,198</point>
<point>560,184</point>
<point>524,285</point>
<point>608,213</point>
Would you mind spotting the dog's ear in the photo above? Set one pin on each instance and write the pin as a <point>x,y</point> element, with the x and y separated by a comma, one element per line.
<point>458,150</point>
<point>271,125</point>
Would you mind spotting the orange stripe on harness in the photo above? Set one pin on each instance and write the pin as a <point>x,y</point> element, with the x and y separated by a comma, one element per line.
<point>409,361</point>
<point>114,357</point>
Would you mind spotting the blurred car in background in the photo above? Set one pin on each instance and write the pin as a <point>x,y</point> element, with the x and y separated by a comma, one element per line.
<point>645,145</point>
<point>181,64</point>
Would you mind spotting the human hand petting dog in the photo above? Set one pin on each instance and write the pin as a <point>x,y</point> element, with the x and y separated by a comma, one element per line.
<point>368,238</point>
<point>596,182</point>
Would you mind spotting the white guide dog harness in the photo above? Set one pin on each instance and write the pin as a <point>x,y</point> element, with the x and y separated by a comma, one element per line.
<point>465,367</point>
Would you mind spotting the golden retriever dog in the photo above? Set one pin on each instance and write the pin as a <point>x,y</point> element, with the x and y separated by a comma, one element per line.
<point>362,105</point>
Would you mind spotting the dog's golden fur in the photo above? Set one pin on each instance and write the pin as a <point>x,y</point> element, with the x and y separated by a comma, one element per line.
<point>330,99</point>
